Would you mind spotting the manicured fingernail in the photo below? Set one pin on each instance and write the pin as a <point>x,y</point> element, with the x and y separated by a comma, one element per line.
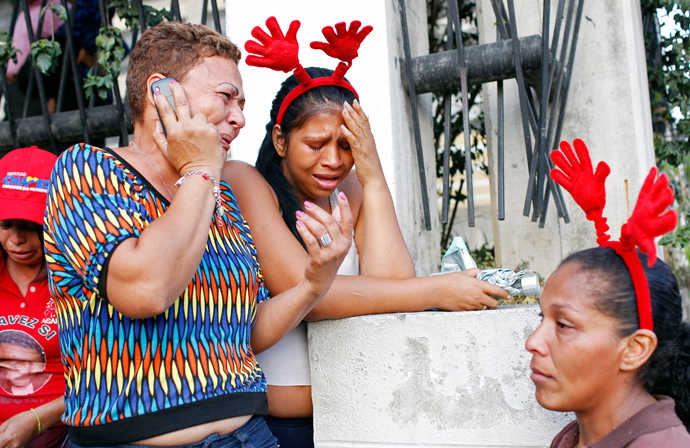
<point>342,196</point>
<point>299,224</point>
<point>308,204</point>
<point>355,101</point>
<point>173,81</point>
<point>157,92</point>
<point>299,213</point>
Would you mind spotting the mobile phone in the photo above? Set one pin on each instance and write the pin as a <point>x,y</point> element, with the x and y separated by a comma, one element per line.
<point>163,86</point>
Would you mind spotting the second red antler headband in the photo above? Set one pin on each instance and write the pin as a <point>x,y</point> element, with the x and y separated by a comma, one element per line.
<point>647,221</point>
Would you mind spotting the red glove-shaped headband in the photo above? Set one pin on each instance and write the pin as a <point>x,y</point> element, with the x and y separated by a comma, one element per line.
<point>280,52</point>
<point>646,223</point>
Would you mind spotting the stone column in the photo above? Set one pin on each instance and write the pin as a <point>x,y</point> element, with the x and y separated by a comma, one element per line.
<point>608,107</point>
<point>376,76</point>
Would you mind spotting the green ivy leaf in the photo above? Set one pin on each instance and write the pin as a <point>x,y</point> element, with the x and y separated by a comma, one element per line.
<point>59,11</point>
<point>45,54</point>
<point>128,12</point>
<point>7,50</point>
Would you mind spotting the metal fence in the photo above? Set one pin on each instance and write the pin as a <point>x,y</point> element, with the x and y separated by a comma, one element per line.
<point>52,111</point>
<point>549,57</point>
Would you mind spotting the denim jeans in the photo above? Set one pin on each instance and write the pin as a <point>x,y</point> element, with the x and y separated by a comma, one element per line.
<point>254,434</point>
<point>292,432</point>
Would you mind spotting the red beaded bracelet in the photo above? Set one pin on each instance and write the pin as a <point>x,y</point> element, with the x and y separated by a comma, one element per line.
<point>216,190</point>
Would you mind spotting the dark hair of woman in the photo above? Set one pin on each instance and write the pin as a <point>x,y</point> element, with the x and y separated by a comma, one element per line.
<point>312,102</point>
<point>42,274</point>
<point>667,372</point>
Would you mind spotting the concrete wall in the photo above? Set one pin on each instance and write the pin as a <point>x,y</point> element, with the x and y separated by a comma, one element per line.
<point>608,107</point>
<point>376,76</point>
<point>428,379</point>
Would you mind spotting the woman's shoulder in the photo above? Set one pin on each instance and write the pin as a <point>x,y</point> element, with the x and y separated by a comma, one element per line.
<point>239,173</point>
<point>83,154</point>
<point>568,437</point>
<point>247,183</point>
<point>675,436</point>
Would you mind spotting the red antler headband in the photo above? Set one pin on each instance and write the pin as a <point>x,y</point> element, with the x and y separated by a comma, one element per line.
<point>280,52</point>
<point>647,221</point>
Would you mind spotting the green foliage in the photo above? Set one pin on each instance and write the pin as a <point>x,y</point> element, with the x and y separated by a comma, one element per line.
<point>129,13</point>
<point>437,14</point>
<point>668,68</point>
<point>111,51</point>
<point>111,48</point>
<point>7,50</point>
<point>45,54</point>
<point>59,11</point>
<point>484,256</point>
<point>97,84</point>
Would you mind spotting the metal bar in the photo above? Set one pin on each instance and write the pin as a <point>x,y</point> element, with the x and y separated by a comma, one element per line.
<point>556,112</point>
<point>543,106</point>
<point>204,12</point>
<point>561,74</point>
<point>11,123</point>
<point>103,11</point>
<point>9,115</point>
<point>447,117</point>
<point>485,63</point>
<point>501,28</point>
<point>415,115</point>
<point>568,74</point>
<point>532,109</point>
<point>142,19</point>
<point>522,94</point>
<point>30,85</point>
<point>38,77</point>
<point>446,158</point>
<point>453,10</point>
<point>175,10</point>
<point>216,15</point>
<point>103,121</point>
<point>15,15</point>
<point>547,193</point>
<point>501,148</point>
<point>78,91</point>
<point>66,54</point>
<point>557,30</point>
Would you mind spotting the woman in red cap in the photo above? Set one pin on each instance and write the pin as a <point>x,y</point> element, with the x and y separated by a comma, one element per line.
<point>32,384</point>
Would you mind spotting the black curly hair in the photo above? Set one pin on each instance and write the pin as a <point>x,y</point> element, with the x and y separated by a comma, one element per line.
<point>667,372</point>
<point>312,102</point>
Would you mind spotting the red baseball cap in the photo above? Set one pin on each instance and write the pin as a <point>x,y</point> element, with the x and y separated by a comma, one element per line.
<point>24,182</point>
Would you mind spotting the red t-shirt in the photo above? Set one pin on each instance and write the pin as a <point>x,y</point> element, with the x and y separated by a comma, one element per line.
<point>31,372</point>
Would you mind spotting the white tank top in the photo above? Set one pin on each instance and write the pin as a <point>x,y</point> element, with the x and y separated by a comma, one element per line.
<point>287,362</point>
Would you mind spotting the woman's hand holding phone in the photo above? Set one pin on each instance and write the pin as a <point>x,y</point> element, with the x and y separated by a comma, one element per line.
<point>191,143</point>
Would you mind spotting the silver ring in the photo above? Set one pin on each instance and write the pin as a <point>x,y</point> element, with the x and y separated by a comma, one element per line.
<point>484,308</point>
<point>324,240</point>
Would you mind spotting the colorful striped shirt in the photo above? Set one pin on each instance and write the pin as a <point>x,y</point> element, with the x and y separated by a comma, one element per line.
<point>131,379</point>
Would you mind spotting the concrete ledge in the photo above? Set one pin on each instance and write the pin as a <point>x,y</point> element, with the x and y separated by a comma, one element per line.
<point>428,379</point>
